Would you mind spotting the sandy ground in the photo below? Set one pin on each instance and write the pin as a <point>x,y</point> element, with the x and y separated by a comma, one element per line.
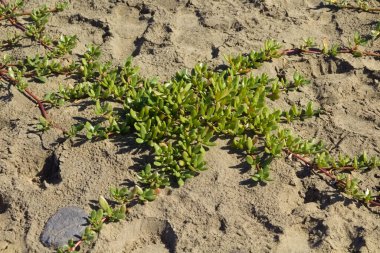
<point>216,211</point>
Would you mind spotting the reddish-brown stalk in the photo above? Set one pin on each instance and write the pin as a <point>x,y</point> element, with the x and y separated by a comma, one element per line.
<point>75,246</point>
<point>352,7</point>
<point>31,95</point>
<point>4,76</point>
<point>21,27</point>
<point>26,13</point>
<point>78,243</point>
<point>16,24</point>
<point>39,103</point>
<point>325,171</point>
<point>344,168</point>
<point>319,51</point>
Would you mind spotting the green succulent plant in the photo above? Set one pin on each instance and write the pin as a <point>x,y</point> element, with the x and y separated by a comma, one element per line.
<point>180,119</point>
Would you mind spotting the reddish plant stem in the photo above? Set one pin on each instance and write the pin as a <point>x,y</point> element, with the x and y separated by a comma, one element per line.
<point>26,13</point>
<point>355,49</point>
<point>39,103</point>
<point>324,171</point>
<point>357,8</point>
<point>299,158</point>
<point>28,92</point>
<point>75,246</point>
<point>318,51</point>
<point>345,168</point>
<point>328,174</point>
<point>367,53</point>
<point>341,169</point>
<point>20,26</point>
<point>351,7</point>
<point>16,24</point>
<point>78,243</point>
<point>45,45</point>
<point>42,109</point>
<point>7,65</point>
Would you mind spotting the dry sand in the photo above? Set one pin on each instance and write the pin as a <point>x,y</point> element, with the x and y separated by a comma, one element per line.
<point>216,211</point>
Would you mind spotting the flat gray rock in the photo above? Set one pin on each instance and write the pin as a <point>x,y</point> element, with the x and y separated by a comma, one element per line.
<point>67,223</point>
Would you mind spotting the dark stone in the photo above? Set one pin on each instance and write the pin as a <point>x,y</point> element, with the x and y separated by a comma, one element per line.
<point>67,223</point>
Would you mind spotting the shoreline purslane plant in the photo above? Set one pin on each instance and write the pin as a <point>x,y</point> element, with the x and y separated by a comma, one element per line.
<point>181,118</point>
<point>358,5</point>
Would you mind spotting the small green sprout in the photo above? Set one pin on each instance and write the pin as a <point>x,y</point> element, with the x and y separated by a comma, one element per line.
<point>308,43</point>
<point>96,219</point>
<point>299,80</point>
<point>262,175</point>
<point>43,124</point>
<point>359,40</point>
<point>61,6</point>
<point>88,235</point>
<point>148,195</point>
<point>70,247</point>
<point>376,32</point>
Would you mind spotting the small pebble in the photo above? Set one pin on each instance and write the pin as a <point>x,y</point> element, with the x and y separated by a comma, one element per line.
<point>32,136</point>
<point>67,223</point>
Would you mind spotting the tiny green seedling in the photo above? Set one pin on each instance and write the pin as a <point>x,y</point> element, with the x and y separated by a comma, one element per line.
<point>262,175</point>
<point>43,124</point>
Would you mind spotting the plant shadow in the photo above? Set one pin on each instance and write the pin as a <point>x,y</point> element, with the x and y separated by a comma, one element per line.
<point>127,145</point>
<point>5,92</point>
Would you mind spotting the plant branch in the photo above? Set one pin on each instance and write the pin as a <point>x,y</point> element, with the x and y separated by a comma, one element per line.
<point>31,95</point>
<point>352,7</point>
<point>21,27</point>
<point>324,171</point>
<point>28,92</point>
<point>78,243</point>
<point>38,101</point>
<point>26,13</point>
<point>16,24</point>
<point>297,51</point>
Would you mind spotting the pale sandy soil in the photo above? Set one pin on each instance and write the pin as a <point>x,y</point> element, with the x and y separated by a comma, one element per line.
<point>216,211</point>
